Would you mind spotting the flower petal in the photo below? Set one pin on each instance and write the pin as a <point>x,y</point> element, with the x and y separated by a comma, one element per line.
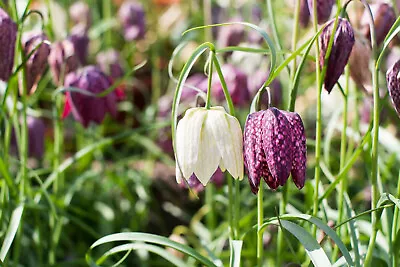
<point>188,138</point>
<point>208,156</point>
<point>228,138</point>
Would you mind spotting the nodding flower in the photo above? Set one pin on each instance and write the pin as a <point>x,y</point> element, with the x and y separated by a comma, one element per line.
<point>324,9</point>
<point>393,84</point>
<point>274,147</point>
<point>8,33</point>
<point>205,140</point>
<point>384,18</point>
<point>88,108</point>
<point>341,49</point>
<point>37,62</point>
<point>132,18</point>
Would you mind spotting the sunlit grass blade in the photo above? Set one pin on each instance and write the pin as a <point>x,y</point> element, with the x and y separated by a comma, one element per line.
<point>11,231</point>
<point>149,238</point>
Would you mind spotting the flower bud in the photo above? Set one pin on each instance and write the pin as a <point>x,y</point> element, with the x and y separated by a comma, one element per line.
<point>384,17</point>
<point>79,13</point>
<point>37,62</point>
<point>8,33</point>
<point>132,17</point>
<point>341,48</point>
<point>393,84</point>
<point>80,41</point>
<point>359,63</point>
<point>304,18</point>
<point>87,108</point>
<point>62,60</point>
<point>324,9</point>
<point>109,62</point>
<point>236,82</point>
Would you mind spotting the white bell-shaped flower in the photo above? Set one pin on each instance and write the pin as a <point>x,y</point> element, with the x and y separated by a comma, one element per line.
<point>206,139</point>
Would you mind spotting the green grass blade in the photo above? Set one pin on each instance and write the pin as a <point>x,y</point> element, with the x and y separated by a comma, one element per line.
<point>11,231</point>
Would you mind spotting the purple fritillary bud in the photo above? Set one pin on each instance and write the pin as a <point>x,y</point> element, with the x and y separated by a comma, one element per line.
<point>304,17</point>
<point>132,18</point>
<point>253,152</point>
<point>384,17</point>
<point>37,62</point>
<point>257,80</point>
<point>36,135</point>
<point>86,108</point>
<point>359,63</point>
<point>277,144</point>
<point>231,35</point>
<point>236,81</point>
<point>79,13</point>
<point>62,60</point>
<point>324,9</point>
<point>342,45</point>
<point>393,83</point>
<point>110,63</point>
<point>80,41</point>
<point>8,35</point>
<point>299,150</point>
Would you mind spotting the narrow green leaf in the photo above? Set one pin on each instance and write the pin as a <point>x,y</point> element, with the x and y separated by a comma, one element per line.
<point>11,231</point>
<point>236,251</point>
<point>313,249</point>
<point>149,238</point>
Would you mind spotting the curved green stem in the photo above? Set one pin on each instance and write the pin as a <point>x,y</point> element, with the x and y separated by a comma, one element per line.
<point>260,220</point>
<point>375,141</point>
<point>394,253</point>
<point>210,73</point>
<point>319,116</point>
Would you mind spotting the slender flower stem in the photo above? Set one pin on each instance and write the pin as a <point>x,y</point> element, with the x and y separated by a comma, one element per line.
<point>343,150</point>
<point>210,73</point>
<point>260,219</point>
<point>291,108</point>
<point>394,252</point>
<point>375,141</point>
<point>319,116</point>
<point>210,216</point>
<point>230,207</point>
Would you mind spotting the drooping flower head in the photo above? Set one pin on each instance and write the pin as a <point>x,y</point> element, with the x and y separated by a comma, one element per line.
<point>205,140</point>
<point>274,147</point>
<point>62,60</point>
<point>304,18</point>
<point>8,35</point>
<point>324,9</point>
<point>132,17</point>
<point>384,18</point>
<point>80,41</point>
<point>89,108</point>
<point>342,45</point>
<point>393,83</point>
<point>37,62</point>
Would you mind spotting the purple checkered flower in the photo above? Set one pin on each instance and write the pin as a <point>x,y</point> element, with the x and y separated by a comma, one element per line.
<point>37,62</point>
<point>384,18</point>
<point>80,41</point>
<point>393,83</point>
<point>324,9</point>
<point>341,49</point>
<point>274,146</point>
<point>132,17</point>
<point>89,108</point>
<point>8,35</point>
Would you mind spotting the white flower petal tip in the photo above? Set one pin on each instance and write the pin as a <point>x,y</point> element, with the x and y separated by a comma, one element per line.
<point>207,139</point>
<point>178,174</point>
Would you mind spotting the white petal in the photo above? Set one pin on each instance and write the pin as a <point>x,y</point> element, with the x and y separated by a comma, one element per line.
<point>229,140</point>
<point>187,140</point>
<point>209,156</point>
